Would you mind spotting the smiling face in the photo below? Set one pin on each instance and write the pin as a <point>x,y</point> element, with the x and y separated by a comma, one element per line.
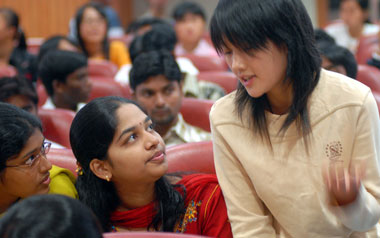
<point>260,71</point>
<point>93,28</point>
<point>137,152</point>
<point>19,180</point>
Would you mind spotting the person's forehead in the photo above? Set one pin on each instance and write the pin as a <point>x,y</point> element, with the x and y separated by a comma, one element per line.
<point>157,82</point>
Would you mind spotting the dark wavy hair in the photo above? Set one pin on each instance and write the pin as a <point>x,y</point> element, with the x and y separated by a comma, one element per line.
<point>16,127</point>
<point>13,20</point>
<point>78,21</point>
<point>91,134</point>
<point>251,24</point>
<point>17,85</point>
<point>49,216</point>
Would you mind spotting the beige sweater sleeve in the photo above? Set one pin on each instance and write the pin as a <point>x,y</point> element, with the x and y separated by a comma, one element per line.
<point>248,215</point>
<point>364,213</point>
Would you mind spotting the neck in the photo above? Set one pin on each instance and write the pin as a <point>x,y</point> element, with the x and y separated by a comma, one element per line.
<point>356,32</point>
<point>6,48</point>
<point>162,129</point>
<point>59,102</point>
<point>281,99</point>
<point>6,201</point>
<point>157,12</point>
<point>135,196</point>
<point>190,47</point>
<point>94,50</point>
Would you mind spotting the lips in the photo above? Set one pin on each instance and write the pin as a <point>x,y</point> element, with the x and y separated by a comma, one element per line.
<point>159,156</point>
<point>247,80</point>
<point>46,179</point>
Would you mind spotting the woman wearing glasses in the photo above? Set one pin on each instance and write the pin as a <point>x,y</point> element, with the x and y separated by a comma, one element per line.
<point>24,169</point>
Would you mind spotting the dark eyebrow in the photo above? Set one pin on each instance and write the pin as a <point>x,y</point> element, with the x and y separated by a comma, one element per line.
<point>33,151</point>
<point>131,129</point>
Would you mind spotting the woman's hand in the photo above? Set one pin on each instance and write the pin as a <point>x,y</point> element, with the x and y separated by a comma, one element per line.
<point>343,184</point>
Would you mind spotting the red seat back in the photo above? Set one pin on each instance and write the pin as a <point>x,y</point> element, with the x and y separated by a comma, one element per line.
<point>63,158</point>
<point>369,76</point>
<point>196,112</point>
<point>191,157</point>
<point>102,68</point>
<point>56,125</point>
<point>207,63</point>
<point>148,235</point>
<point>227,80</point>
<point>105,86</point>
<point>366,47</point>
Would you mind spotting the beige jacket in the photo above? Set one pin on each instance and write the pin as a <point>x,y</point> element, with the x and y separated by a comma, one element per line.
<point>281,193</point>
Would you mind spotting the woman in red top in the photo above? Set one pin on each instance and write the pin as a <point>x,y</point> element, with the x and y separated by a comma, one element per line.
<point>122,175</point>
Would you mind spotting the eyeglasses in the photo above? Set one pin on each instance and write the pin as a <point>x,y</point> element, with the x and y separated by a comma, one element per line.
<point>34,159</point>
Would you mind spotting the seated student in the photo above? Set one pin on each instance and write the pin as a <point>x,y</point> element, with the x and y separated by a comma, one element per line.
<point>190,26</point>
<point>338,59</point>
<point>19,92</point>
<point>122,175</point>
<point>24,169</point>
<point>162,37</point>
<point>65,77</point>
<point>56,42</point>
<point>156,82</point>
<point>92,27</point>
<point>375,59</point>
<point>142,25</point>
<point>49,216</point>
<point>13,48</point>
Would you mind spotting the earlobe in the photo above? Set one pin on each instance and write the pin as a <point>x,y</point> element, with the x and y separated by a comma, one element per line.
<point>101,169</point>
<point>57,86</point>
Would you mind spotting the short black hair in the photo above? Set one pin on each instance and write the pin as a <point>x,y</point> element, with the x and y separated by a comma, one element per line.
<point>16,127</point>
<point>183,8</point>
<point>339,55</point>
<point>160,37</point>
<point>321,35</point>
<point>152,64</point>
<point>50,216</point>
<point>57,65</point>
<point>52,43</point>
<point>139,23</point>
<point>17,85</point>
<point>362,3</point>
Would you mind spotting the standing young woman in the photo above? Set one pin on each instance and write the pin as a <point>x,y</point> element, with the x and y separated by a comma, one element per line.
<point>293,143</point>
<point>24,169</point>
<point>92,26</point>
<point>122,175</point>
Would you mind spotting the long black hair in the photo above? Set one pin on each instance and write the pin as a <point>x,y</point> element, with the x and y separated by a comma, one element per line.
<point>16,127</point>
<point>78,21</point>
<point>251,24</point>
<point>91,134</point>
<point>13,20</point>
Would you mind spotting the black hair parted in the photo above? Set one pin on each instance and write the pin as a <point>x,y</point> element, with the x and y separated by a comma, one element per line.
<point>250,25</point>
<point>17,85</point>
<point>57,65</point>
<point>16,127</point>
<point>12,20</point>
<point>49,216</point>
<point>139,23</point>
<point>78,21</point>
<point>52,43</point>
<point>184,8</point>
<point>154,63</point>
<point>321,35</point>
<point>91,134</point>
<point>160,37</point>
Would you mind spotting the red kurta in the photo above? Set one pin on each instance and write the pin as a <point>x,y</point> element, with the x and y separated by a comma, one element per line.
<point>206,212</point>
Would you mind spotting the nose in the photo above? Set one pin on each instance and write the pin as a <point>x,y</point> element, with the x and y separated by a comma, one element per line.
<point>237,64</point>
<point>45,164</point>
<point>152,140</point>
<point>160,101</point>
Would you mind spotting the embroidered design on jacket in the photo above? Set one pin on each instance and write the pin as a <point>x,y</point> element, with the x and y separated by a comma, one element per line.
<point>191,215</point>
<point>334,151</point>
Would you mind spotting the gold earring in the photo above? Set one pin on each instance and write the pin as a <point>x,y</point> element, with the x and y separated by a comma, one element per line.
<point>107,178</point>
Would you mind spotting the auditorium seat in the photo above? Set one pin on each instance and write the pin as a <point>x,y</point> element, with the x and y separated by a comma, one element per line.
<point>63,158</point>
<point>366,47</point>
<point>191,157</point>
<point>41,92</point>
<point>33,44</point>
<point>227,80</point>
<point>7,71</point>
<point>56,125</point>
<point>369,76</point>
<point>102,68</point>
<point>148,235</point>
<point>196,112</point>
<point>207,63</point>
<point>102,87</point>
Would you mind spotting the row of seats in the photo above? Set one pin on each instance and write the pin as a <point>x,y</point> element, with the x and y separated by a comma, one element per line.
<point>188,157</point>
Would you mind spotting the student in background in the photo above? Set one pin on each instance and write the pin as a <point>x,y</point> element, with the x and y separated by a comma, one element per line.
<point>92,25</point>
<point>156,82</point>
<point>49,216</point>
<point>13,48</point>
<point>24,168</point>
<point>190,27</point>
<point>56,42</point>
<point>65,77</point>
<point>122,165</point>
<point>296,147</point>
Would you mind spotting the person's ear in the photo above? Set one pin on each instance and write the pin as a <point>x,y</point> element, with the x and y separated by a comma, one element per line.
<point>133,94</point>
<point>58,86</point>
<point>101,169</point>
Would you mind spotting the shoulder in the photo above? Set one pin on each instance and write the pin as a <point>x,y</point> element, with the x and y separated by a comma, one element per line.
<point>62,182</point>
<point>223,111</point>
<point>199,185</point>
<point>370,29</point>
<point>334,28</point>
<point>117,45</point>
